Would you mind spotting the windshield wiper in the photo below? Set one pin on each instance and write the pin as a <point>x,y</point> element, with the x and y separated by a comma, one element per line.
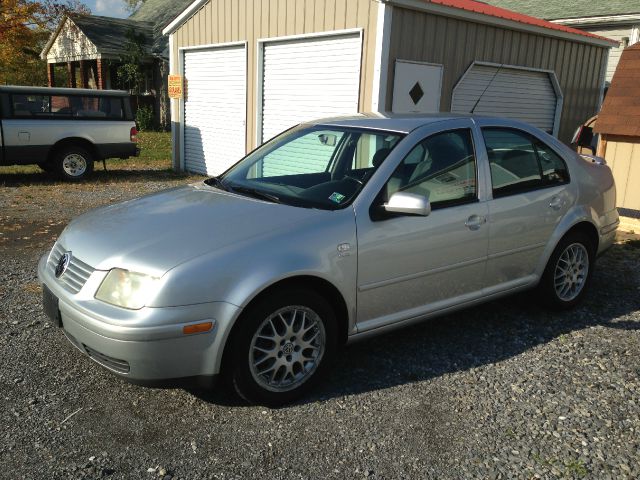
<point>255,193</point>
<point>216,182</point>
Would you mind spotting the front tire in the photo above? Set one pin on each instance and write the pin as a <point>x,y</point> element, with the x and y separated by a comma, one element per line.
<point>283,345</point>
<point>73,163</point>
<point>568,273</point>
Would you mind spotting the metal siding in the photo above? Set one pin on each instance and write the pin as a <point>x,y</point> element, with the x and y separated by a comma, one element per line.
<point>214,109</point>
<point>614,55</point>
<point>457,43</point>
<point>264,19</point>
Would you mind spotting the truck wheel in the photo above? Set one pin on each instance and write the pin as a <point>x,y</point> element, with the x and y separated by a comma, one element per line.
<point>284,343</point>
<point>73,163</point>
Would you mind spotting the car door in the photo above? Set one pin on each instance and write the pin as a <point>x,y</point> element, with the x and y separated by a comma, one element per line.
<point>531,192</point>
<point>409,266</point>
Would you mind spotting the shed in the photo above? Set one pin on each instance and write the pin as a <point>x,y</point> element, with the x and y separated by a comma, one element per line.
<point>252,68</point>
<point>619,128</point>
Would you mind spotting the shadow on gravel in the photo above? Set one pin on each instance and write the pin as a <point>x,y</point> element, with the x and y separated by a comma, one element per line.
<point>98,176</point>
<point>479,336</point>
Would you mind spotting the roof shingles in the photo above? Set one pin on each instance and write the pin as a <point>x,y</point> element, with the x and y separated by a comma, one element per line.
<point>620,113</point>
<point>552,10</point>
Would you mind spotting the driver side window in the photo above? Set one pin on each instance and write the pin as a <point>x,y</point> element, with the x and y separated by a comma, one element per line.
<point>441,168</point>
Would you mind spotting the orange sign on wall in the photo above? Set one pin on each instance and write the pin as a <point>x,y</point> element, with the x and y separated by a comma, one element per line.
<point>175,86</point>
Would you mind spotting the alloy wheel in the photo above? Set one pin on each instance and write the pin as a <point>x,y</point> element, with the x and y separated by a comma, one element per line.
<point>571,272</point>
<point>287,348</point>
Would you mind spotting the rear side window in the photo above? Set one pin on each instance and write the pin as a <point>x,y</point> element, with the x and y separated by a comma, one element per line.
<point>67,107</point>
<point>520,162</point>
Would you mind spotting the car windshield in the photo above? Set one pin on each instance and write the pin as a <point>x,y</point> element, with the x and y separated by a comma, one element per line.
<point>310,166</point>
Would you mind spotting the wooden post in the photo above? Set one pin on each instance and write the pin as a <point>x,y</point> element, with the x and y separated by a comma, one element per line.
<point>51,79</point>
<point>100,74</point>
<point>83,74</point>
<point>602,146</point>
<point>71,72</point>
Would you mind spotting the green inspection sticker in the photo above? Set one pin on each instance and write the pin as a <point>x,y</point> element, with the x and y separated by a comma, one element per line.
<point>336,197</point>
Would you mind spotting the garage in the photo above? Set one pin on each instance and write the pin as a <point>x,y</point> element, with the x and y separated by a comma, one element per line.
<point>308,78</point>
<point>521,94</point>
<point>320,58</point>
<point>214,108</point>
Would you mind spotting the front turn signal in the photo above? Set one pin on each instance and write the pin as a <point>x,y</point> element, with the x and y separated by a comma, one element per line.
<point>197,328</point>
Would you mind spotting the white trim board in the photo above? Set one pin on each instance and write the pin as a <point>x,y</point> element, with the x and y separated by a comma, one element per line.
<point>183,17</point>
<point>381,62</point>
<point>614,19</point>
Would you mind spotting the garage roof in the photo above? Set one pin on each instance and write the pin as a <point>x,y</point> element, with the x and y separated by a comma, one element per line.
<point>487,11</point>
<point>620,114</point>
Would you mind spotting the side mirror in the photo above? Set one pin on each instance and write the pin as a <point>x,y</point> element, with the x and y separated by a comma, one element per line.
<point>408,204</point>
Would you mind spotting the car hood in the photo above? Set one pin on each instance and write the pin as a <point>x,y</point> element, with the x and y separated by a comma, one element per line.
<point>155,233</point>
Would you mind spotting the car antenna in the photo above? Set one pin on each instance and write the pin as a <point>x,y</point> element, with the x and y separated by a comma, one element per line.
<point>486,88</point>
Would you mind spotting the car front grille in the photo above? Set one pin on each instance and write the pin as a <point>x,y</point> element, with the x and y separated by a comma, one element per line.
<point>115,364</point>
<point>77,273</point>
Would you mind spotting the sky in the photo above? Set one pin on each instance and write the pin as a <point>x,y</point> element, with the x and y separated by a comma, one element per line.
<point>107,8</point>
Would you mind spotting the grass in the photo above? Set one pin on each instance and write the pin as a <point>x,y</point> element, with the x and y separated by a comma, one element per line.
<point>155,154</point>
<point>155,149</point>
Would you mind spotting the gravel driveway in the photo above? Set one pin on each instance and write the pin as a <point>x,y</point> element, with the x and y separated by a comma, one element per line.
<point>505,390</point>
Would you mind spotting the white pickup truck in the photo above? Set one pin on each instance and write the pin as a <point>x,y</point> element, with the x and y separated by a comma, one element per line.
<point>65,130</point>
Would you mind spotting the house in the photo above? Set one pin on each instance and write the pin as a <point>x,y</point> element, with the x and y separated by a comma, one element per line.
<point>618,20</point>
<point>252,68</point>
<point>90,49</point>
<point>619,128</point>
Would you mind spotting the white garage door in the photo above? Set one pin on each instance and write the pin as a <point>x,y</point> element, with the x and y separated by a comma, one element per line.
<point>306,79</point>
<point>523,95</point>
<point>214,109</point>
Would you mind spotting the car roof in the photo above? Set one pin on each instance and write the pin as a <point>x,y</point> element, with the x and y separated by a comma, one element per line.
<point>60,91</point>
<point>395,122</point>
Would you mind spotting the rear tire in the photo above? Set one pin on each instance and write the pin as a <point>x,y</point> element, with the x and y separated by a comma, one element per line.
<point>73,163</point>
<point>568,273</point>
<point>283,344</point>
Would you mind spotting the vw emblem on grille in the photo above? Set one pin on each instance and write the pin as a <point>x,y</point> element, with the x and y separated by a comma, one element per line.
<point>63,263</point>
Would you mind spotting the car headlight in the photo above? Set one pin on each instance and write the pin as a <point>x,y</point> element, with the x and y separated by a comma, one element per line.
<point>126,289</point>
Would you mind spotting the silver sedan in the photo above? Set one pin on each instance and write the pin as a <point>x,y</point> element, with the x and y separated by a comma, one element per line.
<point>333,231</point>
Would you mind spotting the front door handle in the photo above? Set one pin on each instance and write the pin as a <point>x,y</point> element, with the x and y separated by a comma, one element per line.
<point>474,222</point>
<point>556,203</point>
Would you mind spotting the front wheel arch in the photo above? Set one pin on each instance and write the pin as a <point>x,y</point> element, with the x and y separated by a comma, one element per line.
<point>315,284</point>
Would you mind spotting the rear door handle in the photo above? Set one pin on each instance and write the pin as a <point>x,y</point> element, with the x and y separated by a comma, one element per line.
<point>474,222</point>
<point>556,203</point>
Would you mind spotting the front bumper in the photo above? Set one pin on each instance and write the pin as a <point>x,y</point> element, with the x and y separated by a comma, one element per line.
<point>146,344</point>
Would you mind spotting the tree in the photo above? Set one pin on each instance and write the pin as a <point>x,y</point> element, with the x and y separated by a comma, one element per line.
<point>133,5</point>
<point>130,74</point>
<point>25,26</point>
